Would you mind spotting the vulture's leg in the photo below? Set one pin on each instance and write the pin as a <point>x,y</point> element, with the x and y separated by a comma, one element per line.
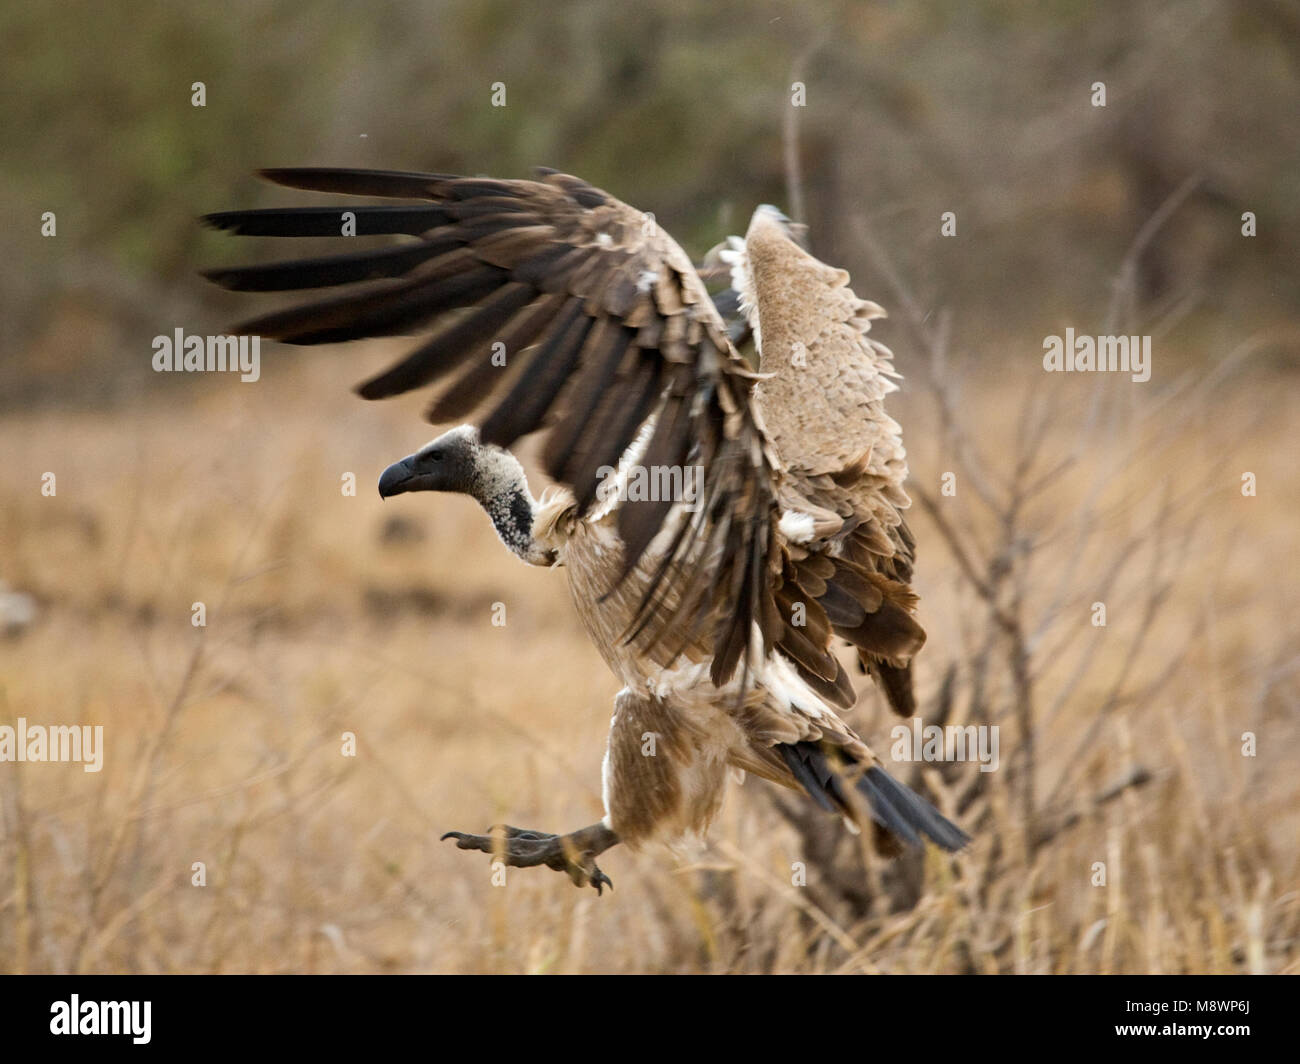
<point>574,853</point>
<point>643,788</point>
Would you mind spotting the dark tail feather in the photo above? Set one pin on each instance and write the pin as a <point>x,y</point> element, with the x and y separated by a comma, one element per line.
<point>814,774</point>
<point>913,810</point>
<point>896,808</point>
<point>889,809</point>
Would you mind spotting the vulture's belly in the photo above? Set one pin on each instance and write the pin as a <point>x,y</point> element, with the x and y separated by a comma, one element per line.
<point>777,707</point>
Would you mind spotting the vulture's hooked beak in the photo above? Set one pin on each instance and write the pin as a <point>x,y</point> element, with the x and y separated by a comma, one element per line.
<point>403,476</point>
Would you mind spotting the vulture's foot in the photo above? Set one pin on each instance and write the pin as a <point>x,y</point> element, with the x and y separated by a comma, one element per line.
<point>574,854</point>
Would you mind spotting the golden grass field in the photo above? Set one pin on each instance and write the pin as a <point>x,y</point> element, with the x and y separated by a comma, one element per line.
<point>224,744</point>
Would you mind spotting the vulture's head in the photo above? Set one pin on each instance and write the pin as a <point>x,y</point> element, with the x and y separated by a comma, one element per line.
<point>455,461</point>
<point>458,461</point>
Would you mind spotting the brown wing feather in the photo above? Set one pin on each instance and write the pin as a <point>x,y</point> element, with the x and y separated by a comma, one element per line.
<point>822,401</point>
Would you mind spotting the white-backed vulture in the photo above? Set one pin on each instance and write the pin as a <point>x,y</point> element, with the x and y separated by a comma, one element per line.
<point>716,609</point>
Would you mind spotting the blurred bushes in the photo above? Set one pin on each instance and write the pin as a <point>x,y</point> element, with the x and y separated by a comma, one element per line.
<point>913,109</point>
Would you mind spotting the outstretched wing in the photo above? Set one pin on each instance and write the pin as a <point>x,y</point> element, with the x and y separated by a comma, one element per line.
<point>822,402</point>
<point>605,324</point>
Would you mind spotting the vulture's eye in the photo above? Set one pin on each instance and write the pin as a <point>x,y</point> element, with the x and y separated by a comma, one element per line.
<point>434,456</point>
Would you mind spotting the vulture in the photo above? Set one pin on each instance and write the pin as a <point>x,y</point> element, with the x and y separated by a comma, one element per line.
<point>718,602</point>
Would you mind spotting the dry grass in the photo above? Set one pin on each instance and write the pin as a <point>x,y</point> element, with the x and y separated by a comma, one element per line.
<point>224,744</point>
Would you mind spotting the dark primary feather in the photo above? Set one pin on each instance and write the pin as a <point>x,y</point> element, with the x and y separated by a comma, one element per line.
<point>449,347</point>
<point>329,270</point>
<point>466,392</point>
<point>395,183</point>
<point>387,310</point>
<point>594,399</point>
<point>329,221</point>
<point>521,412</point>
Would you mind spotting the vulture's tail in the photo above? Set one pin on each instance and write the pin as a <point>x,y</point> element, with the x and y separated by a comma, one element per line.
<point>895,808</point>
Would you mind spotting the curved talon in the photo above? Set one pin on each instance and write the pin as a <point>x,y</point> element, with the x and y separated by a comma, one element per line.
<point>463,841</point>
